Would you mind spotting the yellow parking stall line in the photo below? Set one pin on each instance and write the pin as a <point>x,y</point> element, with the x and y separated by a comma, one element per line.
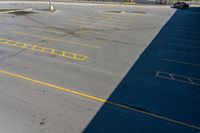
<point>71,23</point>
<point>59,53</point>
<point>79,21</point>
<point>95,98</point>
<point>96,17</point>
<point>131,21</point>
<point>100,22</point>
<point>96,22</point>
<point>182,52</point>
<point>28,46</point>
<point>45,30</point>
<point>37,48</point>
<point>48,50</point>
<point>41,49</point>
<point>90,31</point>
<point>114,26</point>
<point>87,20</point>
<point>181,62</point>
<point>58,40</point>
<point>121,23</point>
<point>97,32</point>
<point>40,43</point>
<point>63,53</point>
<point>20,45</point>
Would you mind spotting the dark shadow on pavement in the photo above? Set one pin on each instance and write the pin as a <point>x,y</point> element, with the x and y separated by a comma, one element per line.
<point>164,81</point>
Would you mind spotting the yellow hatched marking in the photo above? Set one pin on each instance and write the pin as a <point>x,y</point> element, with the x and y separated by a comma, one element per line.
<point>61,53</point>
<point>48,50</point>
<point>20,45</point>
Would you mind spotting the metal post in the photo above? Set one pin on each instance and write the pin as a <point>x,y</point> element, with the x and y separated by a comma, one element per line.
<point>50,6</point>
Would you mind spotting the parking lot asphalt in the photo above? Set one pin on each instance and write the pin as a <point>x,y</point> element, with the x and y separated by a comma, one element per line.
<point>162,88</point>
<point>68,70</point>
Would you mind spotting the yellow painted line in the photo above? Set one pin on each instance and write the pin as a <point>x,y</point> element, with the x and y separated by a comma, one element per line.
<point>45,30</point>
<point>54,31</point>
<point>95,17</point>
<point>182,52</point>
<point>54,86</point>
<point>72,23</point>
<point>96,22</point>
<point>102,21</point>
<point>58,40</point>
<point>87,20</point>
<point>121,23</point>
<point>97,32</point>
<point>114,26</point>
<point>99,22</point>
<point>178,78</point>
<point>83,30</point>
<point>101,100</point>
<point>131,20</point>
<point>51,51</point>
<point>40,43</point>
<point>181,62</point>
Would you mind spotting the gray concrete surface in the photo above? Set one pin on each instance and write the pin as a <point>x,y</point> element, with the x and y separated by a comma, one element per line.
<point>112,42</point>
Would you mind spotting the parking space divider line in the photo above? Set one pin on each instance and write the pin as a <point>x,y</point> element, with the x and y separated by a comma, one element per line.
<point>181,62</point>
<point>45,30</point>
<point>178,78</point>
<point>58,40</point>
<point>182,52</point>
<point>153,115</point>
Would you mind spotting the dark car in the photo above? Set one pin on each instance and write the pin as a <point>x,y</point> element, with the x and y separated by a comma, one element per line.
<point>180,5</point>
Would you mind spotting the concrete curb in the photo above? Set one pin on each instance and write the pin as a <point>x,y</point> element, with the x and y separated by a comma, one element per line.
<point>70,3</point>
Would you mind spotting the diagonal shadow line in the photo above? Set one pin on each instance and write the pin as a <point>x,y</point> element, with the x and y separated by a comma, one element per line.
<point>141,90</point>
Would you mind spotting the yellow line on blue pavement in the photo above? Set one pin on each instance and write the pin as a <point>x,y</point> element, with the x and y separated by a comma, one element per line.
<point>101,100</point>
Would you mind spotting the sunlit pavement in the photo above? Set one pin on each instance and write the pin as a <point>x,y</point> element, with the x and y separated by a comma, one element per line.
<point>61,71</point>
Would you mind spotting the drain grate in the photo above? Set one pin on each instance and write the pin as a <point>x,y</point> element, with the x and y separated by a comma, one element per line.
<point>17,11</point>
<point>22,12</point>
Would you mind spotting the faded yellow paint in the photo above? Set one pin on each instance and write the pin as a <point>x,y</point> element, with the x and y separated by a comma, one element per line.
<point>58,40</point>
<point>51,51</point>
<point>45,30</point>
